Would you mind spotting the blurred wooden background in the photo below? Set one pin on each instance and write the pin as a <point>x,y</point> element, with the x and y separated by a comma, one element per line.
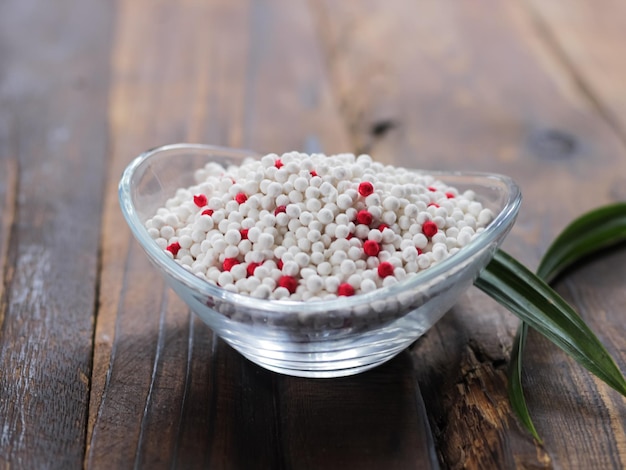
<point>102,367</point>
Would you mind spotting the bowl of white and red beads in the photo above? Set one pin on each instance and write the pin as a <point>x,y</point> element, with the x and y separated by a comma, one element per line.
<point>313,265</point>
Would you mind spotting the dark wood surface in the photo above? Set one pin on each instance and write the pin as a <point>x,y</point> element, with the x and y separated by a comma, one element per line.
<point>101,366</point>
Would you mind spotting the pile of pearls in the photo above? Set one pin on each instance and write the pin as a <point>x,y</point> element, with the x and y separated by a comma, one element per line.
<point>312,227</point>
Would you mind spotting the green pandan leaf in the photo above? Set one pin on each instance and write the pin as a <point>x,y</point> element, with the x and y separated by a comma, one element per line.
<point>537,305</point>
<point>516,391</point>
<point>590,233</point>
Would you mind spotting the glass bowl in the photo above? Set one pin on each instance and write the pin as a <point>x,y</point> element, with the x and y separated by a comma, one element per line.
<point>328,338</point>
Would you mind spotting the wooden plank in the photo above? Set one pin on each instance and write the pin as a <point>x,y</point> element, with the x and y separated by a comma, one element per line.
<point>373,420</point>
<point>155,378</point>
<point>587,38</point>
<point>441,85</point>
<point>8,198</point>
<point>585,405</point>
<point>52,94</point>
<point>177,395</point>
<point>587,41</point>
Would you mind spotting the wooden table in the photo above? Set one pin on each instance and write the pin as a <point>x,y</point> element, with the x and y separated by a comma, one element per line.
<point>102,366</point>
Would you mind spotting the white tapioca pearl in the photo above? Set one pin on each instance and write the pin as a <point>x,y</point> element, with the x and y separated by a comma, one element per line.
<point>452,232</point>
<point>399,273</point>
<point>404,222</point>
<point>312,192</point>
<point>355,253</point>
<point>231,251</point>
<point>281,175</point>
<point>265,240</point>
<point>439,237</point>
<point>388,236</point>
<point>156,222</point>
<point>411,210</point>
<point>314,283</point>
<point>373,200</point>
<point>306,218</point>
<point>225,278</point>
<point>166,232</point>
<point>440,251</point>
<point>367,285</point>
<point>185,241</point>
<point>270,173</point>
<point>344,201</point>
<point>474,208</point>
<point>269,160</point>
<point>304,244</point>
<point>172,220</point>
<point>391,203</point>
<point>470,220</point>
<point>313,205</point>
<point>238,272</point>
<point>375,235</point>
<point>300,184</point>
<point>361,231</point>
<point>485,216</point>
<point>313,236</point>
<point>463,238</point>
<point>282,219</point>
<point>232,237</point>
<point>325,216</point>
<point>389,217</point>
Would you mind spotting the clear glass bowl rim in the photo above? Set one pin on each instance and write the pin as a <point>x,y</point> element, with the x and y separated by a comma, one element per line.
<point>488,236</point>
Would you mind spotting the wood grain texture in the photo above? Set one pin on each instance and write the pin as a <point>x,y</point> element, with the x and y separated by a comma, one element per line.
<point>102,366</point>
<point>586,406</point>
<point>588,39</point>
<point>454,88</point>
<point>53,88</point>
<point>370,421</point>
<point>8,197</point>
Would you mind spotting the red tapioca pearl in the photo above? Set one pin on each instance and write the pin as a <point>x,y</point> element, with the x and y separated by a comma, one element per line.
<point>371,248</point>
<point>432,189</point>
<point>173,248</point>
<point>349,236</point>
<point>364,217</point>
<point>382,227</point>
<point>450,195</point>
<point>244,233</point>
<point>385,269</point>
<point>345,290</point>
<point>419,250</point>
<point>313,173</point>
<point>366,188</point>
<point>280,209</point>
<point>434,204</point>
<point>229,263</point>
<point>288,282</point>
<point>279,163</point>
<point>241,198</point>
<point>279,264</point>
<point>251,267</point>
<point>429,228</point>
<point>200,200</point>
<point>207,212</point>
